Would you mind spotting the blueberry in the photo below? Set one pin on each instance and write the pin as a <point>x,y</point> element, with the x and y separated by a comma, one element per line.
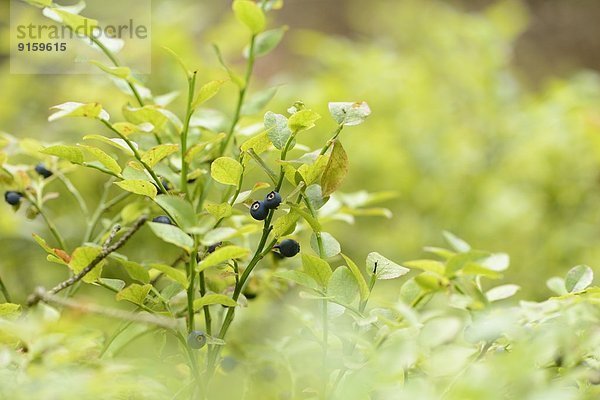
<point>272,200</point>
<point>165,184</point>
<point>213,247</point>
<point>228,363</point>
<point>13,198</point>
<point>41,170</point>
<point>162,219</point>
<point>196,339</point>
<point>288,247</point>
<point>258,210</point>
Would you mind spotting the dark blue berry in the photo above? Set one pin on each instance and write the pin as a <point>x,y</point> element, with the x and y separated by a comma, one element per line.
<point>288,247</point>
<point>272,200</point>
<point>165,184</point>
<point>228,363</point>
<point>41,170</point>
<point>13,198</point>
<point>162,219</point>
<point>213,247</point>
<point>196,339</point>
<point>258,210</point>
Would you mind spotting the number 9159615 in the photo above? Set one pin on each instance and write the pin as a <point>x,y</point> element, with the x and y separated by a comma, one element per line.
<point>41,46</point>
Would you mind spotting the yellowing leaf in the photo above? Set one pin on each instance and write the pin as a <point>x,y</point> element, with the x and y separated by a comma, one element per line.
<point>81,258</point>
<point>134,293</point>
<point>207,91</point>
<point>70,153</point>
<point>335,171</point>
<point>138,186</point>
<point>249,14</point>
<point>157,153</point>
<point>104,159</point>
<point>226,170</point>
<point>221,255</point>
<point>209,299</point>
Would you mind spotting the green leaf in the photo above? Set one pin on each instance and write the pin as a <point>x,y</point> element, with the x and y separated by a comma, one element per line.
<point>152,114</point>
<point>257,101</point>
<point>431,281</point>
<point>138,186</point>
<point>472,268</point>
<point>266,41</point>
<point>316,268</point>
<point>285,224</point>
<point>221,255</point>
<point>348,113</point>
<point>312,172</point>
<point>73,109</point>
<point>39,240</point>
<point>70,153</point>
<point>176,57</point>
<point>557,285</point>
<point>342,285</point>
<point>114,142</point>
<point>173,273</point>
<point>259,143</point>
<point>331,246</point>
<point>277,129</point>
<point>218,211</point>
<point>179,209</point>
<point>9,309</point>
<point>134,270</point>
<point>116,284</point>
<point>299,277</point>
<point>82,257</point>
<point>427,265</point>
<point>461,260</point>
<point>363,289</point>
<point>157,153</point>
<point>134,293</point>
<point>502,292</point>
<point>335,171</point>
<point>76,22</point>
<point>206,92</point>
<point>209,299</point>
<point>578,278</point>
<point>119,72</point>
<point>249,14</point>
<point>312,221</point>
<point>386,269</point>
<point>226,170</point>
<point>457,243</point>
<point>110,163</point>
<point>303,120</point>
<point>172,234</point>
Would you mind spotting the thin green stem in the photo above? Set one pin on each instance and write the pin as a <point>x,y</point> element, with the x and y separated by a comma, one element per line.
<point>184,132</point>
<point>49,222</point>
<point>335,135</point>
<point>4,291</point>
<point>207,315</point>
<point>137,155</point>
<point>103,206</point>
<point>241,97</point>
<point>116,63</point>
<point>191,273</point>
<point>74,191</point>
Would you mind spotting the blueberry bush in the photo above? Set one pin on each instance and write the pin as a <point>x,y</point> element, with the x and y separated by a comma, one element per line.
<point>252,297</point>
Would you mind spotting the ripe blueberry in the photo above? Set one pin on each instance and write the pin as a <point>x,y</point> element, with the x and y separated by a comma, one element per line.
<point>13,198</point>
<point>162,219</point>
<point>258,210</point>
<point>288,247</point>
<point>272,200</point>
<point>196,339</point>
<point>165,184</point>
<point>41,170</point>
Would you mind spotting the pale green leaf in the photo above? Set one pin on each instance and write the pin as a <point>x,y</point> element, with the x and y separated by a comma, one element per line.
<point>226,170</point>
<point>331,247</point>
<point>348,113</point>
<point>363,289</point>
<point>172,234</point>
<point>179,209</point>
<point>316,268</point>
<point>207,91</point>
<point>173,273</point>
<point>138,186</point>
<point>578,278</point>
<point>73,109</point>
<point>157,153</point>
<point>70,153</point>
<point>81,258</point>
<point>277,129</point>
<point>210,299</point>
<point>385,268</point>
<point>134,293</point>
<point>99,155</point>
<point>342,286</point>
<point>221,255</point>
<point>303,120</point>
<point>250,14</point>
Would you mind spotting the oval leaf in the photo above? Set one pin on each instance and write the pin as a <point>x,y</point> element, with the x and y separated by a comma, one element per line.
<point>138,186</point>
<point>226,170</point>
<point>579,278</point>
<point>172,234</point>
<point>209,299</point>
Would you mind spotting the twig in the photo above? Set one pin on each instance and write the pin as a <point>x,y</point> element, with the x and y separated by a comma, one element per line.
<point>106,250</point>
<point>47,297</point>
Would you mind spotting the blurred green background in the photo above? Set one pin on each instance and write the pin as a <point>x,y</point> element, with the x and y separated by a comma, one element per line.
<point>486,120</point>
